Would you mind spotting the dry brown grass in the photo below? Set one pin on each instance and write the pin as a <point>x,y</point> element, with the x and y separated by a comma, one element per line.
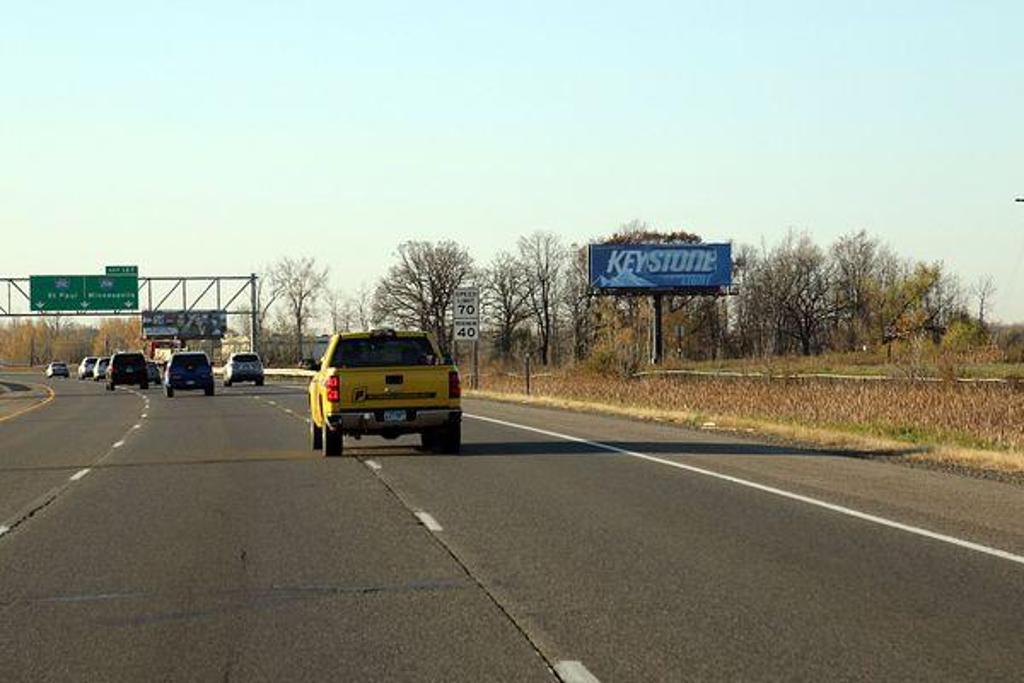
<point>980,424</point>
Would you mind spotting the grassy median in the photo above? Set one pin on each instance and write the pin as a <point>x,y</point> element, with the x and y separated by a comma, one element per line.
<point>977,426</point>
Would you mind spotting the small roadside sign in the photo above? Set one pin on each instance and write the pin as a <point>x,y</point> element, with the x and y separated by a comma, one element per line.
<point>122,270</point>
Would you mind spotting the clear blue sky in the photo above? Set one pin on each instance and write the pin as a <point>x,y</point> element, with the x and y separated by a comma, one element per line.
<point>247,130</point>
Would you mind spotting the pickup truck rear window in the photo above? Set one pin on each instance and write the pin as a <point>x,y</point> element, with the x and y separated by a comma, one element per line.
<point>382,352</point>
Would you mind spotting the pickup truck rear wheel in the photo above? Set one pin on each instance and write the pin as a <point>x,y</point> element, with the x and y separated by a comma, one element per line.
<point>451,439</point>
<point>429,440</point>
<point>316,437</point>
<point>331,440</point>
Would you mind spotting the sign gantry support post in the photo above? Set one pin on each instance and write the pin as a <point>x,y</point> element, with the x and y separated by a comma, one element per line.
<point>254,315</point>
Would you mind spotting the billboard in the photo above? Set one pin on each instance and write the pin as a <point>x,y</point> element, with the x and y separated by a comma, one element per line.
<point>660,266</point>
<point>184,324</point>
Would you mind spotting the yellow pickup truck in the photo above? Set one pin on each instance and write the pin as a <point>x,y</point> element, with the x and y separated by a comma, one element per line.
<point>386,383</point>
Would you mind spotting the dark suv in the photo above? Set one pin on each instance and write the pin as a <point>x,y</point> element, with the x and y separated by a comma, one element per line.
<point>127,368</point>
<point>188,370</point>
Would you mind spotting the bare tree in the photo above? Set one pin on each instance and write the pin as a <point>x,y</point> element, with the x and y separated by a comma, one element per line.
<point>543,256</point>
<point>983,291</point>
<point>417,290</point>
<point>361,307</point>
<point>300,283</point>
<point>339,311</point>
<point>578,302</point>
<point>506,297</point>
<point>793,293</point>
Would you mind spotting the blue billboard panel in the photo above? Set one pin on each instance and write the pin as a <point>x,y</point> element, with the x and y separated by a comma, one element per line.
<point>660,266</point>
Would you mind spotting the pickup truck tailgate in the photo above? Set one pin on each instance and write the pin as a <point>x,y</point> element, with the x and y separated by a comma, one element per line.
<point>405,387</point>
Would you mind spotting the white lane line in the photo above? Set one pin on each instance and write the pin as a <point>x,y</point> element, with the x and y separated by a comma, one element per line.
<point>136,426</point>
<point>373,465</point>
<point>428,521</point>
<point>273,403</point>
<point>145,415</point>
<point>79,474</point>
<point>841,509</point>
<point>118,444</point>
<point>574,672</point>
<point>4,529</point>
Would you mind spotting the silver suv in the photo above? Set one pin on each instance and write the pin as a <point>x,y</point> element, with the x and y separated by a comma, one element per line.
<point>243,367</point>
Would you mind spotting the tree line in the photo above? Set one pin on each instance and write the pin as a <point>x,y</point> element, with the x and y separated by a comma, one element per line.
<point>792,297</point>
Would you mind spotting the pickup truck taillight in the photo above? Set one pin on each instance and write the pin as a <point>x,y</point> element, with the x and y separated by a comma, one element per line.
<point>454,385</point>
<point>333,389</point>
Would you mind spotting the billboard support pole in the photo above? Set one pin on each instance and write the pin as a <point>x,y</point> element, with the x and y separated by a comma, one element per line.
<point>657,336</point>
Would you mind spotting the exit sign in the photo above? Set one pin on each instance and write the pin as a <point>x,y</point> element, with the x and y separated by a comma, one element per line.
<point>122,270</point>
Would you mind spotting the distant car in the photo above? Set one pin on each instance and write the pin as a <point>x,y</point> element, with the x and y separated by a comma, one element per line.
<point>188,370</point>
<point>86,367</point>
<point>57,369</point>
<point>243,367</point>
<point>127,368</point>
<point>99,371</point>
<point>153,372</point>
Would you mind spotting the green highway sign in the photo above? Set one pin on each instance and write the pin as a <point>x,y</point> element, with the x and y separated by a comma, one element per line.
<point>84,292</point>
<point>122,270</point>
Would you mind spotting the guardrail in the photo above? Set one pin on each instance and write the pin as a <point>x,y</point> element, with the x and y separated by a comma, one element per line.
<point>297,373</point>
<point>818,375</point>
<point>291,373</point>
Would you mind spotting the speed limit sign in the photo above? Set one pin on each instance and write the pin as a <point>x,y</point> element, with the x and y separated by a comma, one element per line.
<point>466,314</point>
<point>467,331</point>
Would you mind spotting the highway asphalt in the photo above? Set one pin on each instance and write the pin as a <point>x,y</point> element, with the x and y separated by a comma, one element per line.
<point>196,538</point>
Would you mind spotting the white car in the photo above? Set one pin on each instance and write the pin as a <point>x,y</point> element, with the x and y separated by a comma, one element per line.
<point>57,369</point>
<point>86,367</point>
<point>243,367</point>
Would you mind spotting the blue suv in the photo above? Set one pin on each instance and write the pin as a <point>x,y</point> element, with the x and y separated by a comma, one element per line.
<point>187,371</point>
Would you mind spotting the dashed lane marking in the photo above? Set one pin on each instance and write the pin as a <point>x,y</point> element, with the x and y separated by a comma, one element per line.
<point>427,520</point>
<point>4,530</point>
<point>118,444</point>
<point>574,672</point>
<point>79,474</point>
<point>841,509</point>
<point>373,465</point>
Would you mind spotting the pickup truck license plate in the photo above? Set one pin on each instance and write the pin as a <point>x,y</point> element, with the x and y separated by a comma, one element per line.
<point>394,416</point>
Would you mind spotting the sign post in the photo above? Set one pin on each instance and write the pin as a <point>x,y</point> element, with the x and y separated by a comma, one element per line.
<point>466,319</point>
